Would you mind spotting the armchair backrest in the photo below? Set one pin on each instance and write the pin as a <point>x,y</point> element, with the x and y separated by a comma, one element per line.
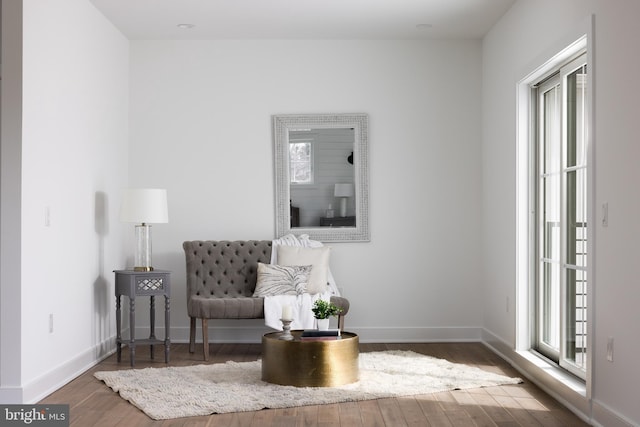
<point>224,269</point>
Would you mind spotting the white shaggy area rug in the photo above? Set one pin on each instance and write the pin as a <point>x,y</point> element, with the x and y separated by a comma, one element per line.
<point>173,392</point>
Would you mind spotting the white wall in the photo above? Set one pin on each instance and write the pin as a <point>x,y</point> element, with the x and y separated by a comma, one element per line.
<point>529,33</point>
<point>198,107</point>
<point>201,127</point>
<point>74,162</point>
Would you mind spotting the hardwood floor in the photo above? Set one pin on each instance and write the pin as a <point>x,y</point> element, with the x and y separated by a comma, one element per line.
<point>94,404</point>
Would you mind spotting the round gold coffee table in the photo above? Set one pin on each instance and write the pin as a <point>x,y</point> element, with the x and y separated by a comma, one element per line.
<point>325,363</point>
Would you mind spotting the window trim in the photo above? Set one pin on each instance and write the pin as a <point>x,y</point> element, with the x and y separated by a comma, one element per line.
<point>525,242</point>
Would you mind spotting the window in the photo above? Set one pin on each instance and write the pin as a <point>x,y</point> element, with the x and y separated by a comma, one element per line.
<point>301,161</point>
<point>559,184</point>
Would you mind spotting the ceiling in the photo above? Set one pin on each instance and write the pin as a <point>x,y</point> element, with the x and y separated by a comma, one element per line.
<point>303,19</point>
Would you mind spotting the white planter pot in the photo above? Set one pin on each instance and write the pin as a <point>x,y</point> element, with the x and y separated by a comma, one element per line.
<point>323,324</point>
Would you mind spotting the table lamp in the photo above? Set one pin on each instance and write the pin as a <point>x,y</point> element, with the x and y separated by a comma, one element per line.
<point>144,206</point>
<point>343,191</point>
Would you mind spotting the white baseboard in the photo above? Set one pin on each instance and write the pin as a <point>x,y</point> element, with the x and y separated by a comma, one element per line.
<point>555,382</point>
<point>39,388</point>
<point>417,334</point>
<point>253,334</point>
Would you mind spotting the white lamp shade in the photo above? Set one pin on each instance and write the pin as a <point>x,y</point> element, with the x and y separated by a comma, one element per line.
<point>144,205</point>
<point>343,190</point>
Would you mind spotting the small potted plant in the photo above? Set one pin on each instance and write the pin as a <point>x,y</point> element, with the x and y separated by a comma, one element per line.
<point>323,310</point>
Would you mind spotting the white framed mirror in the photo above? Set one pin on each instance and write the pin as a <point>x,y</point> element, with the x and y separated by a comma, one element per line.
<point>322,176</point>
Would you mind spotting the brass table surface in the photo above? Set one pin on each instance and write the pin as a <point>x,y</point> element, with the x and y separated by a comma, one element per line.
<point>322,363</point>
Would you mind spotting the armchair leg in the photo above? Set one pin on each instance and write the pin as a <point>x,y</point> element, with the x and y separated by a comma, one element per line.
<point>341,323</point>
<point>192,335</point>
<point>205,339</point>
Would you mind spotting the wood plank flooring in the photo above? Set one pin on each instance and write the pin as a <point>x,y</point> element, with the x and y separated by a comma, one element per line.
<point>94,404</point>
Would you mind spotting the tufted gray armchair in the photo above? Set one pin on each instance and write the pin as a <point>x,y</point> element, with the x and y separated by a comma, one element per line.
<point>221,278</point>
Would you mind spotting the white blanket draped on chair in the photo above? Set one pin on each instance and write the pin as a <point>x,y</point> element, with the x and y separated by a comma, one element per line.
<point>300,304</point>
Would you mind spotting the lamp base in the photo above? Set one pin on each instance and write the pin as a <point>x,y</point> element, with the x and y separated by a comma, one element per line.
<point>343,206</point>
<point>142,255</point>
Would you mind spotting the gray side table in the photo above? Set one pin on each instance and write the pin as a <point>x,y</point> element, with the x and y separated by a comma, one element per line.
<point>142,283</point>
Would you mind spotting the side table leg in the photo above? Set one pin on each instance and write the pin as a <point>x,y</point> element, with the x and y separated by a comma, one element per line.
<point>167,328</point>
<point>118,329</point>
<point>152,322</point>
<point>132,330</point>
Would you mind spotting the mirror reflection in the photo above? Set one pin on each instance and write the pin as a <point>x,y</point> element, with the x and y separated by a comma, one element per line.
<point>321,164</point>
<point>322,178</point>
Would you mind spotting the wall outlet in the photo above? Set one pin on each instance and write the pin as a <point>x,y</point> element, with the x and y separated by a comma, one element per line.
<point>51,323</point>
<point>610,349</point>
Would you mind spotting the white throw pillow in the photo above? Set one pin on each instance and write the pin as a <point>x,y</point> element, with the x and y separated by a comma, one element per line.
<point>281,280</point>
<point>317,257</point>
